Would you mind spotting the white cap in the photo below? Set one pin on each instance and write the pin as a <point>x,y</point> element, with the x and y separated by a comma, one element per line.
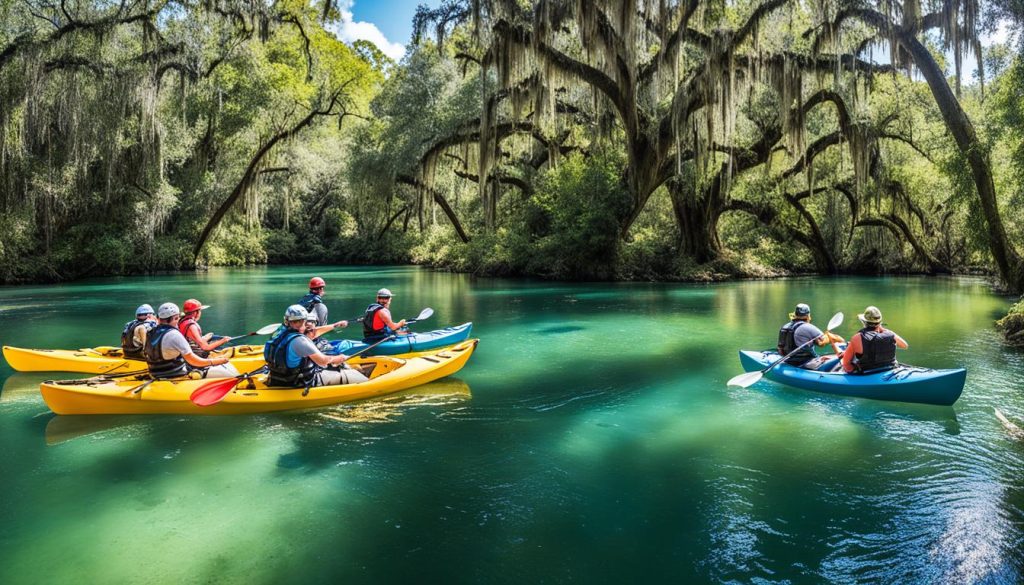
<point>296,313</point>
<point>168,310</point>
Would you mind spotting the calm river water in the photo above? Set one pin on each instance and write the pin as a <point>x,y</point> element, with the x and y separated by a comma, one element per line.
<point>591,439</point>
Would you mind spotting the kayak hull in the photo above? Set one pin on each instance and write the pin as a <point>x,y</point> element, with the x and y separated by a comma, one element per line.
<point>110,360</point>
<point>389,375</point>
<point>245,358</point>
<point>903,384</point>
<point>407,345</point>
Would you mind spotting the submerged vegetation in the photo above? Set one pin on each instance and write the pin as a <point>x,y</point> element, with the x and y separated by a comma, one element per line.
<point>585,140</point>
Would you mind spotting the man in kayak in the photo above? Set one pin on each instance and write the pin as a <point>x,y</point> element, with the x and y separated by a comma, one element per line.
<point>800,331</point>
<point>133,336</point>
<point>201,344</point>
<point>313,302</point>
<point>873,348</point>
<point>294,361</point>
<point>377,323</point>
<point>168,354</point>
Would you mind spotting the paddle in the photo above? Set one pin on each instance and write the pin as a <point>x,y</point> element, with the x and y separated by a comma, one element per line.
<point>265,330</point>
<point>215,391</point>
<point>749,378</point>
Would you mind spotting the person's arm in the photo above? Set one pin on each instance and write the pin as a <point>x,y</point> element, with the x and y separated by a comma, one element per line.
<point>199,362</point>
<point>852,349</point>
<point>202,340</point>
<point>330,327</point>
<point>140,336</point>
<point>385,316</point>
<point>327,360</point>
<point>900,342</point>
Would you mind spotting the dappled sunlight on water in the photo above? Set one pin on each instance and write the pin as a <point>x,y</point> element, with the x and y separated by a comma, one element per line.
<point>591,438</point>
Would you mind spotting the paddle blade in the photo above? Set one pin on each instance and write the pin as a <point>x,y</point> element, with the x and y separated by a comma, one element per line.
<point>835,321</point>
<point>213,392</point>
<point>745,380</point>
<point>268,329</point>
<point>424,314</point>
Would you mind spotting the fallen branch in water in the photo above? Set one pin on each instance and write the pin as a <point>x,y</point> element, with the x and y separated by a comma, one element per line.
<point>1015,431</point>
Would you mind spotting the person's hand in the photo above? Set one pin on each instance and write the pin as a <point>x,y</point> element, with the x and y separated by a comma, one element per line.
<point>340,358</point>
<point>401,323</point>
<point>208,336</point>
<point>340,325</point>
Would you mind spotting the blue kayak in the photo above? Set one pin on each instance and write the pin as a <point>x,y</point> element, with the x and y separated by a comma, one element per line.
<point>900,384</point>
<point>412,343</point>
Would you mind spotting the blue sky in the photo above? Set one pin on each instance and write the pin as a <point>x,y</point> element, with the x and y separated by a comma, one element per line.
<point>388,24</point>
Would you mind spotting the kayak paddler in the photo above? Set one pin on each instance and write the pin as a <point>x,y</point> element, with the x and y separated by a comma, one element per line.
<point>201,344</point>
<point>168,354</point>
<point>377,322</point>
<point>799,331</point>
<point>133,336</point>
<point>873,348</point>
<point>313,302</point>
<point>294,361</point>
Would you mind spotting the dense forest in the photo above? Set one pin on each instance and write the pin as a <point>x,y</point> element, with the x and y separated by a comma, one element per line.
<point>602,139</point>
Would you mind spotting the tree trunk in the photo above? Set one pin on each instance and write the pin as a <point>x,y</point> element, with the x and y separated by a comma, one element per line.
<point>1006,256</point>
<point>250,173</point>
<point>698,224</point>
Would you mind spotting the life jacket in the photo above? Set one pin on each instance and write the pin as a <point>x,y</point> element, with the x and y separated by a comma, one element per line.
<point>128,346</point>
<point>311,300</point>
<point>158,366</point>
<point>275,352</point>
<point>183,326</point>
<point>878,351</point>
<point>369,332</point>
<point>787,343</point>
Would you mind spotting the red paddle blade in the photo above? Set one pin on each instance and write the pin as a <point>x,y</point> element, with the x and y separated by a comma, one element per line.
<point>213,392</point>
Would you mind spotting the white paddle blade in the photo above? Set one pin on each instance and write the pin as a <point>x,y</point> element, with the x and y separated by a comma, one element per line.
<point>268,329</point>
<point>424,314</point>
<point>835,321</point>
<point>745,380</point>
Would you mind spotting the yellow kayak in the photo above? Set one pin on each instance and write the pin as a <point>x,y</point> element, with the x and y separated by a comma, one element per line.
<point>387,375</point>
<point>110,360</point>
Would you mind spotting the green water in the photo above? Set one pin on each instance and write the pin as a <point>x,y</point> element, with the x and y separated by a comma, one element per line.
<point>590,439</point>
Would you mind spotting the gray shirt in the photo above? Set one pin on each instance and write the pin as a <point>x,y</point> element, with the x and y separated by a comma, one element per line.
<point>321,314</point>
<point>173,345</point>
<point>303,347</point>
<point>805,333</point>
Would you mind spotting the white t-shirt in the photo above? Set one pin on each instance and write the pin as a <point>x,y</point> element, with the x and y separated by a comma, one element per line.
<point>173,345</point>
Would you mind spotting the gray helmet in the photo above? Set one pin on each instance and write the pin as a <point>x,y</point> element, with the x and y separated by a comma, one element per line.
<point>168,310</point>
<point>296,313</point>
<point>802,310</point>
<point>384,294</point>
<point>144,309</point>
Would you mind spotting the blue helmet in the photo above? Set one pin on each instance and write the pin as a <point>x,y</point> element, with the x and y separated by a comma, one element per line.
<point>144,309</point>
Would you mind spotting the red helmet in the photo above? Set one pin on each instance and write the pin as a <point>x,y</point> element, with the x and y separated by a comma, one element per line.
<point>316,282</point>
<point>193,305</point>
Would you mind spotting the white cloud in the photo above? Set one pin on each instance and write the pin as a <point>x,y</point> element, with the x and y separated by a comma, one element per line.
<point>350,30</point>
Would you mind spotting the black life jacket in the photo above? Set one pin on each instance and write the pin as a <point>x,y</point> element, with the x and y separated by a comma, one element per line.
<point>369,333</point>
<point>128,346</point>
<point>158,366</point>
<point>879,351</point>
<point>311,300</point>
<point>787,343</point>
<point>183,326</point>
<point>275,352</point>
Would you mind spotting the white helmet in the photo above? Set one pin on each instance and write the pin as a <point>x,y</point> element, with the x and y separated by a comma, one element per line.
<point>168,310</point>
<point>296,313</point>
<point>384,294</point>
